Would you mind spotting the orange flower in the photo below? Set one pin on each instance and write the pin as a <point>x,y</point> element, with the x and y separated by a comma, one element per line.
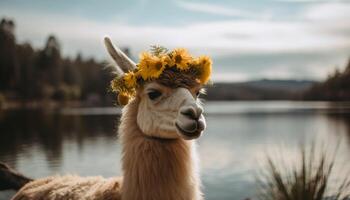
<point>130,79</point>
<point>205,69</point>
<point>150,66</point>
<point>181,58</point>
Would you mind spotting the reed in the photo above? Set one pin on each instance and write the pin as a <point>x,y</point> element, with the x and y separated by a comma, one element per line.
<point>309,178</point>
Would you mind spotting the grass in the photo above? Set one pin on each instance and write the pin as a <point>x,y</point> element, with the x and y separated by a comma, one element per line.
<point>307,179</point>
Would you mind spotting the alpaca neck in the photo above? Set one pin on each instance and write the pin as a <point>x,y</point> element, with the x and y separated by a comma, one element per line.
<point>156,169</point>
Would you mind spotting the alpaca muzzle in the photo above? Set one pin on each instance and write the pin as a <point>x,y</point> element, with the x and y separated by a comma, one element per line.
<point>190,122</point>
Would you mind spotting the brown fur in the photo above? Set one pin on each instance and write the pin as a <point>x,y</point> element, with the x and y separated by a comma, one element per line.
<point>156,169</point>
<point>173,78</point>
<point>71,187</point>
<point>153,169</point>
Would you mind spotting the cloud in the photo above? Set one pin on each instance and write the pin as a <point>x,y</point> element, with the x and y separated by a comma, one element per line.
<point>315,30</point>
<point>301,1</point>
<point>229,76</point>
<point>217,38</point>
<point>309,1</point>
<point>328,11</point>
<point>214,9</point>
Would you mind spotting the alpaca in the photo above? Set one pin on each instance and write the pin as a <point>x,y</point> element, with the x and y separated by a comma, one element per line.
<point>156,131</point>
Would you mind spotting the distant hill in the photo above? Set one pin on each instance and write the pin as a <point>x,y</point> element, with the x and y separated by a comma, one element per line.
<point>335,88</point>
<point>264,89</point>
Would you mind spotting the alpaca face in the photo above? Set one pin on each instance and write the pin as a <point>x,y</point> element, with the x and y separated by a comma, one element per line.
<point>170,112</point>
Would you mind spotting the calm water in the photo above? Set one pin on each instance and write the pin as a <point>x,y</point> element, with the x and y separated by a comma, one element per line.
<point>232,150</point>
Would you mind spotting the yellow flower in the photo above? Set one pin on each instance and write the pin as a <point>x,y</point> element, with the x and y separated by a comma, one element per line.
<point>168,61</point>
<point>130,79</point>
<point>123,99</point>
<point>195,62</point>
<point>205,69</point>
<point>151,66</point>
<point>181,58</point>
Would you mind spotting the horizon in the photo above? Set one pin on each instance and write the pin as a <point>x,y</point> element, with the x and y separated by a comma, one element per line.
<point>274,39</point>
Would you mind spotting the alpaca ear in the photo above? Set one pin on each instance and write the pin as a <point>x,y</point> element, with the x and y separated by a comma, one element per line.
<point>122,60</point>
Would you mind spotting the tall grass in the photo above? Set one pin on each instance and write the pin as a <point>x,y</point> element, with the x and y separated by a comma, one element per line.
<point>311,177</point>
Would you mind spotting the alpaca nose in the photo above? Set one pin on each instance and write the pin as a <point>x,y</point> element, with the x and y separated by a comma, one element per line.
<point>192,112</point>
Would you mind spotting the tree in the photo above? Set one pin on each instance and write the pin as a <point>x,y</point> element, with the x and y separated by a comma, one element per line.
<point>9,68</point>
<point>335,88</point>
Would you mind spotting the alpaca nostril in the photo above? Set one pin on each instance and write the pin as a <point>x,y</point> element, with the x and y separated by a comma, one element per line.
<point>189,112</point>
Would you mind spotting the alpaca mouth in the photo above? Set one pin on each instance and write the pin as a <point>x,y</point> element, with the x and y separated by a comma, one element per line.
<point>188,135</point>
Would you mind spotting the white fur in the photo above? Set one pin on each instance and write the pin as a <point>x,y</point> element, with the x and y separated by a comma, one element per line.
<point>159,116</point>
<point>123,61</point>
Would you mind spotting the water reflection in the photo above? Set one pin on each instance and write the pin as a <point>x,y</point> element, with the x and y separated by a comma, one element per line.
<point>239,136</point>
<point>48,132</point>
<point>341,121</point>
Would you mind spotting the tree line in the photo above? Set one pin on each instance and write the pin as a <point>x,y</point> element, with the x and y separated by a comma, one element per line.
<point>28,74</point>
<point>35,74</point>
<point>335,88</point>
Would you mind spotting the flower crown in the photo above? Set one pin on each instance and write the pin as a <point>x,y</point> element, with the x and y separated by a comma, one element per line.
<point>151,66</point>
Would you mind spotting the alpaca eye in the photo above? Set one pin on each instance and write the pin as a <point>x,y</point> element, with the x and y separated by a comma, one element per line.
<point>154,94</point>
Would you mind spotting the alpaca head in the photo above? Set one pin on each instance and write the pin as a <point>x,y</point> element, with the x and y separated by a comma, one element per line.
<point>168,106</point>
<point>170,112</point>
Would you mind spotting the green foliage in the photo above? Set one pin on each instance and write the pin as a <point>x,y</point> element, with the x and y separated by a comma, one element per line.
<point>309,179</point>
<point>158,50</point>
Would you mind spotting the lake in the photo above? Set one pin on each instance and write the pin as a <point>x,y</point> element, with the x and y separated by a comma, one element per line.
<point>233,149</point>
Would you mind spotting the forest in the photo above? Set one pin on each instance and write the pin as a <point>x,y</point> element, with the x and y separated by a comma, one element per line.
<point>29,75</point>
<point>335,88</point>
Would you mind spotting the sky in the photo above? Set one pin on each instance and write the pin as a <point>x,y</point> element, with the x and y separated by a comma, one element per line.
<point>247,39</point>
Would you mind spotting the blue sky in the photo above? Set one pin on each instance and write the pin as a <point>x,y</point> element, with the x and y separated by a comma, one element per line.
<point>247,39</point>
